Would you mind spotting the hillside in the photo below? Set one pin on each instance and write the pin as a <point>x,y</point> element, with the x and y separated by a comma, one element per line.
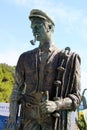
<point>6,81</point>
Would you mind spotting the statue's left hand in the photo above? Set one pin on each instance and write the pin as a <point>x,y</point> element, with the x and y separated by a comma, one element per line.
<point>48,106</point>
<point>11,126</point>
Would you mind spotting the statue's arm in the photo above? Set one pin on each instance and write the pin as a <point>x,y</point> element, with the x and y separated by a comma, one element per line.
<point>16,97</point>
<point>74,98</point>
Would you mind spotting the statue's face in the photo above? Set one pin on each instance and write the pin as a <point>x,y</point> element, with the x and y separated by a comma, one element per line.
<point>39,29</point>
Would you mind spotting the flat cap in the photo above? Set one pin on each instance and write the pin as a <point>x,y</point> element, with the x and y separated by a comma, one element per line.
<point>36,13</point>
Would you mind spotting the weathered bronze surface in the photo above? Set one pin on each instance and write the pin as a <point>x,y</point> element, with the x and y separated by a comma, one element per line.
<point>47,82</point>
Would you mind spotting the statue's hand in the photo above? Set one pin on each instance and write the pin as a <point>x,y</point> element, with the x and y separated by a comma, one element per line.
<point>48,106</point>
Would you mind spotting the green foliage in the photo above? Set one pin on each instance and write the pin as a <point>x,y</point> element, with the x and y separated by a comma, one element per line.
<point>81,121</point>
<point>6,81</point>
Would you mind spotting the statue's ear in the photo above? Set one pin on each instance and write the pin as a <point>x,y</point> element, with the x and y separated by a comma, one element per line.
<point>50,26</point>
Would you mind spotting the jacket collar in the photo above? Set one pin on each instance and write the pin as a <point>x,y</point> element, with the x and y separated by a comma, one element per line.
<point>47,47</point>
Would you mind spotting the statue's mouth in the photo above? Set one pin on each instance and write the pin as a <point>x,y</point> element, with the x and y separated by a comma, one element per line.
<point>36,35</point>
<point>35,39</point>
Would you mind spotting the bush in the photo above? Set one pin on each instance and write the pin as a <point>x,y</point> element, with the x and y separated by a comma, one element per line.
<point>6,81</point>
<point>81,122</point>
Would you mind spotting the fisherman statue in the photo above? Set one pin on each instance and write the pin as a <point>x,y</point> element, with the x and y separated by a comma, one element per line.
<point>47,82</point>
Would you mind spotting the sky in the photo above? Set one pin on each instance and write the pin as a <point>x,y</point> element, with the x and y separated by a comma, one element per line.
<point>70,17</point>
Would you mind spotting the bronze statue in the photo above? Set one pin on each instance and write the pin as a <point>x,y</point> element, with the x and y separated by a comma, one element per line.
<point>47,82</point>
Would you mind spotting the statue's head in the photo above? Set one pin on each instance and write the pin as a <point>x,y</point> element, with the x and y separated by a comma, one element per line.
<point>42,25</point>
